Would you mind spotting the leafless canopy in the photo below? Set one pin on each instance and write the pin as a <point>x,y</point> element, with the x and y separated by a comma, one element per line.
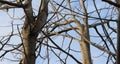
<point>57,29</point>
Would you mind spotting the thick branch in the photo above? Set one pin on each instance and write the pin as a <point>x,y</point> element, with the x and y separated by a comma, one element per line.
<point>112,3</point>
<point>11,3</point>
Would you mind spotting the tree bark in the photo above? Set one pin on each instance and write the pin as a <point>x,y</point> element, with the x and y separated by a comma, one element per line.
<point>31,29</point>
<point>85,47</point>
<point>118,34</point>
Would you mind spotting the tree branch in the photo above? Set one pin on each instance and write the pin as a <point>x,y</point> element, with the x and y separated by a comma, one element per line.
<point>112,3</point>
<point>11,3</point>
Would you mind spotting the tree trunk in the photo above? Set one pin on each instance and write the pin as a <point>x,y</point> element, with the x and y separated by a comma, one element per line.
<point>29,44</point>
<point>31,29</point>
<point>85,47</point>
<point>118,35</point>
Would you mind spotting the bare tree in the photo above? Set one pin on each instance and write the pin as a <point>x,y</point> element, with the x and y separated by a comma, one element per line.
<point>70,31</point>
<point>31,28</point>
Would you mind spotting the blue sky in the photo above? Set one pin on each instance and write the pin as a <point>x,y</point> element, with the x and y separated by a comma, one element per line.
<point>6,21</point>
